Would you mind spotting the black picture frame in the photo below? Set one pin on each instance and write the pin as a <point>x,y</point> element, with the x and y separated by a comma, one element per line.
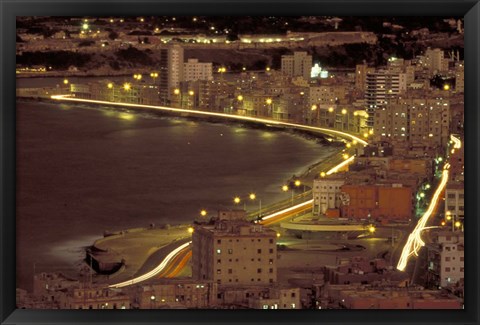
<point>9,9</point>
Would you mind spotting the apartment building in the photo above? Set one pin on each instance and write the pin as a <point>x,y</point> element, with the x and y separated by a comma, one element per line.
<point>233,251</point>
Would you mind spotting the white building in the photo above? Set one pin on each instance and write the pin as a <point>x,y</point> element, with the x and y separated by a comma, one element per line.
<point>194,70</point>
<point>455,200</point>
<point>446,259</point>
<point>326,193</point>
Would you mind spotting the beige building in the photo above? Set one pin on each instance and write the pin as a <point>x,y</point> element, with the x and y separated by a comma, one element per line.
<point>194,70</point>
<point>233,251</point>
<point>415,120</point>
<point>298,64</point>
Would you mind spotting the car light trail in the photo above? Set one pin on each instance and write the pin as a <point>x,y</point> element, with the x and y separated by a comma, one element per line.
<point>340,165</point>
<point>153,272</point>
<point>287,210</point>
<point>414,241</point>
<point>229,116</point>
<point>457,143</point>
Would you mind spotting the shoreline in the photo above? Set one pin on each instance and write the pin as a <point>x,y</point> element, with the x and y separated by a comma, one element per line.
<point>319,138</point>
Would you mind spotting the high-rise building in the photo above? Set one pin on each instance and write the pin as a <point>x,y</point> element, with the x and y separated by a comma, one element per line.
<point>298,64</point>
<point>171,71</point>
<point>382,86</point>
<point>232,251</point>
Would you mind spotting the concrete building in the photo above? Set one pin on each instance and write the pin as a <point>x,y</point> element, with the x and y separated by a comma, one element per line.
<point>298,64</point>
<point>361,72</point>
<point>171,71</point>
<point>234,252</point>
<point>175,294</point>
<point>455,200</point>
<point>194,70</point>
<point>446,259</point>
<point>327,194</point>
<point>435,60</point>
<point>413,120</point>
<point>381,87</point>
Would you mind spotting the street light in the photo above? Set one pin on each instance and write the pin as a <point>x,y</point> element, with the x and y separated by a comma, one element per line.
<point>239,98</point>
<point>371,229</point>
<point>127,86</point>
<point>253,197</point>
<point>110,85</point>
<point>152,301</point>
<point>285,189</point>
<point>65,81</point>
<point>236,200</point>
<point>154,75</point>
<point>190,230</point>
<point>203,213</point>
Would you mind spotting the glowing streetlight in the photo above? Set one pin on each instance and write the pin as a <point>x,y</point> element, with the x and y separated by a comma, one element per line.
<point>269,101</point>
<point>458,224</point>
<point>371,229</point>
<point>252,196</point>
<point>154,75</point>
<point>323,174</point>
<point>176,91</point>
<point>314,107</point>
<point>345,156</point>
<point>370,131</point>
<point>191,92</point>
<point>267,69</point>
<point>239,98</point>
<point>65,81</point>
<point>203,213</point>
<point>284,188</point>
<point>127,86</point>
<point>446,87</point>
<point>85,26</point>
<point>190,230</point>
<point>330,109</point>
<point>344,111</point>
<point>278,235</point>
<point>297,183</point>
<point>236,200</point>
<point>348,145</point>
<point>110,85</point>
<point>365,135</point>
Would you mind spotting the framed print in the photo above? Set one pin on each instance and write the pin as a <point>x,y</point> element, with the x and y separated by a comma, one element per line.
<point>226,162</point>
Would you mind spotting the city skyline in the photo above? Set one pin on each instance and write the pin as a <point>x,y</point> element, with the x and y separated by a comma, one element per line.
<point>372,201</point>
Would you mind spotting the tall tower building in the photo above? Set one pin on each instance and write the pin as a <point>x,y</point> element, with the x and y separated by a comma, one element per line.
<point>171,71</point>
<point>298,64</point>
<point>380,87</point>
<point>233,251</point>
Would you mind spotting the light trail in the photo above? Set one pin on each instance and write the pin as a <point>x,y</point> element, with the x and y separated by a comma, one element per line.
<point>153,272</point>
<point>457,143</point>
<point>340,165</point>
<point>174,252</point>
<point>414,241</point>
<point>287,210</point>
<point>228,116</point>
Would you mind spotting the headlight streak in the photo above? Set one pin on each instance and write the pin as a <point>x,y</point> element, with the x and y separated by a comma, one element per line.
<point>174,252</point>
<point>153,272</point>
<point>230,116</point>
<point>457,143</point>
<point>414,241</point>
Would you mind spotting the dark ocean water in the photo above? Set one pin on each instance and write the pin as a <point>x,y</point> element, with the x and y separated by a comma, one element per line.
<point>83,170</point>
